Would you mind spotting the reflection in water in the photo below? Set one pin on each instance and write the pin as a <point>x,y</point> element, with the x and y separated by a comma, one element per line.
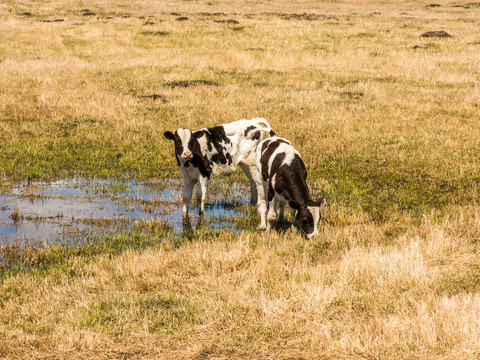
<point>188,230</point>
<point>69,210</point>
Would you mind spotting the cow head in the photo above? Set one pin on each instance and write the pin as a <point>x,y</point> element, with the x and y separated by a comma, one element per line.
<point>308,216</point>
<point>181,138</point>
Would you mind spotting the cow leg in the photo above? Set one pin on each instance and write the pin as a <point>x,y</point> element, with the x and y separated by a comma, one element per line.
<point>272,206</point>
<point>272,209</point>
<point>201,193</point>
<point>254,178</point>
<point>187,195</point>
<point>281,212</point>
<point>293,212</point>
<point>262,206</point>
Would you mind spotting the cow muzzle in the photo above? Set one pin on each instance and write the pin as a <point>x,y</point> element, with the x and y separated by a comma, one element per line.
<point>187,155</point>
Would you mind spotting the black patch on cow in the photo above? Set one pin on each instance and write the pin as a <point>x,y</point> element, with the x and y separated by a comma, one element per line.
<point>178,144</point>
<point>294,184</point>
<point>215,138</point>
<point>272,146</point>
<point>256,136</point>
<point>282,141</point>
<point>248,129</point>
<point>301,166</point>
<point>203,166</point>
<point>277,162</point>
<point>229,158</point>
<point>265,145</point>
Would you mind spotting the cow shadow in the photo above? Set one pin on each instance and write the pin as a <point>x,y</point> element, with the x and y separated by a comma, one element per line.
<point>282,226</point>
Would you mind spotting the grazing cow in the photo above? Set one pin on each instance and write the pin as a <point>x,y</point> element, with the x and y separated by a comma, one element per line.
<point>217,150</point>
<point>284,175</point>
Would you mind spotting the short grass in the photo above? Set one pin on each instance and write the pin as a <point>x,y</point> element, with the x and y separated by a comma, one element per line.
<point>386,121</point>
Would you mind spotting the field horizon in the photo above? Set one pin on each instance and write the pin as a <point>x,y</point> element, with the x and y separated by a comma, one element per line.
<point>384,114</point>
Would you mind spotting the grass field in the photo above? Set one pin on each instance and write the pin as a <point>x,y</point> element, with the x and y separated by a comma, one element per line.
<point>385,119</point>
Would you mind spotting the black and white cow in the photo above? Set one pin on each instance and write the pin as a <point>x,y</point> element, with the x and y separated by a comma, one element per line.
<point>217,150</point>
<point>284,175</point>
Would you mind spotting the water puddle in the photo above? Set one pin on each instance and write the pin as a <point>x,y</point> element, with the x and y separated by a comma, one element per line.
<point>72,210</point>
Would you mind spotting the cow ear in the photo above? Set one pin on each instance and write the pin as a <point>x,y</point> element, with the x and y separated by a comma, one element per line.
<point>316,203</point>
<point>169,135</point>
<point>294,205</point>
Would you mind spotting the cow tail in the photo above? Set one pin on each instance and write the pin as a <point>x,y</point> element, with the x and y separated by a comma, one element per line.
<point>264,122</point>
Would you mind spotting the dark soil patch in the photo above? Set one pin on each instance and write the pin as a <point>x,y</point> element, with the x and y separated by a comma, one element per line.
<point>188,83</point>
<point>353,95</point>
<point>229,21</point>
<point>441,34</point>
<point>303,16</point>
<point>159,97</point>
<point>365,35</point>
<point>212,14</point>
<point>50,21</point>
<point>90,13</point>
<point>431,46</point>
<point>28,14</point>
<point>181,18</point>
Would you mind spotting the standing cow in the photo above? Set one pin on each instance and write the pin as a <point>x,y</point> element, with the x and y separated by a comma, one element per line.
<point>283,178</point>
<point>217,150</point>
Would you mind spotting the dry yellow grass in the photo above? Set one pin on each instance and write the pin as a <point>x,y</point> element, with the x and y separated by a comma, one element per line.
<point>386,121</point>
<point>346,295</point>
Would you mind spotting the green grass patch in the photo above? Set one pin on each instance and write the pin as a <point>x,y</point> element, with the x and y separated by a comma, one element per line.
<point>118,316</point>
<point>462,280</point>
<point>18,258</point>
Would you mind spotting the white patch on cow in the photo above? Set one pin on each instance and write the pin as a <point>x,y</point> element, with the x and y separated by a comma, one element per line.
<point>185,136</point>
<point>274,180</point>
<point>315,211</point>
<point>241,125</point>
